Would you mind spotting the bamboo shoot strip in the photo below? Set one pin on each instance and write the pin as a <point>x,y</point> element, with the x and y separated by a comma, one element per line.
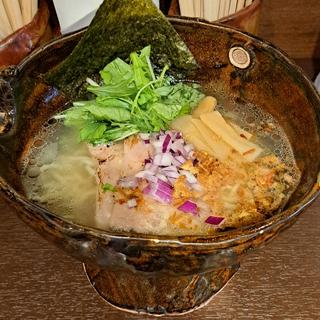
<point>248,2</point>
<point>240,4</point>
<point>26,11</point>
<point>219,149</point>
<point>233,6</point>
<point>5,25</point>
<point>186,8</point>
<point>222,129</point>
<point>14,13</point>
<point>34,8</point>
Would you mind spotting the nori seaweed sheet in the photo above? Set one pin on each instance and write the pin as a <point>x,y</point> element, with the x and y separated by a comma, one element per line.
<point>119,28</point>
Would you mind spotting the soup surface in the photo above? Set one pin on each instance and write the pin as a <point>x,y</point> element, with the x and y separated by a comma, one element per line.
<point>190,179</point>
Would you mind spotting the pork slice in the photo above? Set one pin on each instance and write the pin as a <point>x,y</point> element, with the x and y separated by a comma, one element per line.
<point>123,159</point>
<point>151,219</point>
<point>135,153</point>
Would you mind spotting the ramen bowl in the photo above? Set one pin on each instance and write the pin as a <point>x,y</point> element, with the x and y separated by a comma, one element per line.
<point>158,274</point>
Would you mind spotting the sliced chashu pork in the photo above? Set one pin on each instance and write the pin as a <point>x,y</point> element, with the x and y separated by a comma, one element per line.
<point>120,160</point>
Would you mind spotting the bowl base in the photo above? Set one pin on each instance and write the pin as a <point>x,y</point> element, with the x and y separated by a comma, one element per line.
<point>157,293</point>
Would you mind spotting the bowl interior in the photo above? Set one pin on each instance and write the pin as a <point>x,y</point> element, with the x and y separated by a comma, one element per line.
<point>271,82</point>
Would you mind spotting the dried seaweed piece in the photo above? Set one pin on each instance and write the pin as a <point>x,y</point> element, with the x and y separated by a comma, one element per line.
<point>119,28</point>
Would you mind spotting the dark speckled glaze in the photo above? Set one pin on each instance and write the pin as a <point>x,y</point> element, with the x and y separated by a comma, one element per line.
<point>153,274</point>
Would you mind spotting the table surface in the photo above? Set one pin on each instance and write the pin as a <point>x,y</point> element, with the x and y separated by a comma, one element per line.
<point>279,281</point>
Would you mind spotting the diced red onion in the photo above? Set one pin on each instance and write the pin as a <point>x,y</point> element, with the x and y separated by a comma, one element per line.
<point>188,148</point>
<point>164,185</point>
<point>189,207</point>
<point>164,159</point>
<point>181,159</point>
<point>144,136</point>
<point>166,143</point>
<point>151,178</point>
<point>178,146</point>
<point>172,174</point>
<point>128,182</point>
<point>214,220</point>
<point>162,171</point>
<point>143,174</point>
<point>190,176</point>
<point>132,203</point>
<point>161,190</point>
<point>162,177</point>
<point>170,168</point>
<point>147,189</point>
<point>162,196</point>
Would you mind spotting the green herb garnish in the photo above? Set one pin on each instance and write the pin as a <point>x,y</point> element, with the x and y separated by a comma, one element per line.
<point>118,28</point>
<point>131,99</point>
<point>108,187</point>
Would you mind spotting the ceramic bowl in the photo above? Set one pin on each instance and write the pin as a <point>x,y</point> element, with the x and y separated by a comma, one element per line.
<point>246,19</point>
<point>167,275</point>
<point>43,28</point>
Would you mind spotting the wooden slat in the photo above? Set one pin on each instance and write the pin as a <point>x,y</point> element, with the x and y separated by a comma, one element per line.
<point>14,13</point>
<point>5,25</point>
<point>186,8</point>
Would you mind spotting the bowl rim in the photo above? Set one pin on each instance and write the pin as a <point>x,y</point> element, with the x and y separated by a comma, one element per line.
<point>220,239</point>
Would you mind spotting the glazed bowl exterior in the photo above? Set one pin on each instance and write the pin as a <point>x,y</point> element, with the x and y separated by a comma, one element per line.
<point>193,268</point>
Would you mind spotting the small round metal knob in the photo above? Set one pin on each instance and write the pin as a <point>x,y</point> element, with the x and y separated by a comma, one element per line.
<point>239,57</point>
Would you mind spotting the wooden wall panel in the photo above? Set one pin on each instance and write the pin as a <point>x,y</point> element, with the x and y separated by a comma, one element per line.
<point>293,25</point>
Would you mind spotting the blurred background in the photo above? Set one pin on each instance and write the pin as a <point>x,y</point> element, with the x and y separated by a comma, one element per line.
<point>292,25</point>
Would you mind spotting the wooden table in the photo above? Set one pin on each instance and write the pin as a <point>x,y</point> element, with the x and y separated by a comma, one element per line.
<point>280,281</point>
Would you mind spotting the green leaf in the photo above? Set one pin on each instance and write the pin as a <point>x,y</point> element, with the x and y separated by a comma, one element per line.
<point>108,187</point>
<point>131,100</point>
<point>77,117</point>
<point>118,90</point>
<point>113,102</point>
<point>164,91</point>
<point>167,112</point>
<point>109,113</point>
<point>117,134</point>
<point>119,28</point>
<point>116,71</point>
<point>92,132</point>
